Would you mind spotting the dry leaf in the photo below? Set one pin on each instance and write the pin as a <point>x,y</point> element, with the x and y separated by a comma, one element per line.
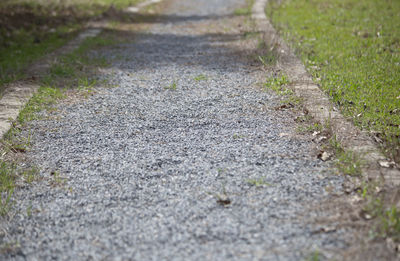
<point>386,164</point>
<point>315,133</point>
<point>324,156</point>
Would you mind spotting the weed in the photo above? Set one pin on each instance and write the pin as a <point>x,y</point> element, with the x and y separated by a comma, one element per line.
<point>30,174</point>
<point>314,256</point>
<point>7,179</point>
<point>57,179</point>
<point>310,128</point>
<point>250,34</point>
<point>260,182</point>
<point>9,247</point>
<point>347,161</point>
<point>62,70</point>
<point>5,201</point>
<point>200,77</point>
<point>237,136</point>
<point>43,99</point>
<point>29,210</point>
<point>172,86</point>
<point>390,223</point>
<point>278,84</point>
<point>85,86</point>
<point>268,59</point>
<point>291,99</point>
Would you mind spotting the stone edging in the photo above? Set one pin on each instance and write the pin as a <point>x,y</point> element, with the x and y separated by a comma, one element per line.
<point>17,94</point>
<point>320,106</point>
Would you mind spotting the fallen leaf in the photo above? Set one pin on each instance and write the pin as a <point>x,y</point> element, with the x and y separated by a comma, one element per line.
<point>315,133</point>
<point>324,156</point>
<point>386,164</point>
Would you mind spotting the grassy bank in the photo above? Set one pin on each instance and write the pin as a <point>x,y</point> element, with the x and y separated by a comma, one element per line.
<point>30,29</point>
<point>73,72</point>
<point>352,49</point>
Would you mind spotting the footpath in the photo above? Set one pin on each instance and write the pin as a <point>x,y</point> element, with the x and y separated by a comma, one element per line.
<point>188,157</point>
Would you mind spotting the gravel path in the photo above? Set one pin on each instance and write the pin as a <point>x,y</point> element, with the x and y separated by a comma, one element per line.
<point>160,168</point>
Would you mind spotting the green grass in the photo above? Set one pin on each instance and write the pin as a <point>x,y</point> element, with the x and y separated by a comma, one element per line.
<point>244,10</point>
<point>22,50</point>
<point>259,182</point>
<point>314,256</point>
<point>7,183</point>
<point>30,29</point>
<point>383,211</point>
<point>74,71</point>
<point>90,5</point>
<point>347,161</point>
<point>278,84</point>
<point>352,48</point>
<point>200,77</point>
<point>310,128</point>
<point>172,86</point>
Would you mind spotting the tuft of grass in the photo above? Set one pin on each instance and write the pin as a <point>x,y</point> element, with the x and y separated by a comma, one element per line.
<point>260,182</point>
<point>268,59</point>
<point>250,34</point>
<point>352,48</point>
<point>44,98</point>
<point>386,215</point>
<point>7,184</point>
<point>390,223</point>
<point>172,86</point>
<point>200,77</point>
<point>310,128</point>
<point>314,256</point>
<point>278,84</point>
<point>347,161</point>
<point>237,136</point>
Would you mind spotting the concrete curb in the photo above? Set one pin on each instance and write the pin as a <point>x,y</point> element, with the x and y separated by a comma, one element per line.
<point>320,106</point>
<point>17,94</point>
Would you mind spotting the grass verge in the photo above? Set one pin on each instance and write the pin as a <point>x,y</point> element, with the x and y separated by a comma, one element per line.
<point>352,48</point>
<point>29,29</point>
<point>73,71</point>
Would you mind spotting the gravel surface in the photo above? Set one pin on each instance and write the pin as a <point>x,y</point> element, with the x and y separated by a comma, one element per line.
<point>161,167</point>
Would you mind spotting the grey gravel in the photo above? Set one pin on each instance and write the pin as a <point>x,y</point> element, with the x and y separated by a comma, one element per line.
<point>145,172</point>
